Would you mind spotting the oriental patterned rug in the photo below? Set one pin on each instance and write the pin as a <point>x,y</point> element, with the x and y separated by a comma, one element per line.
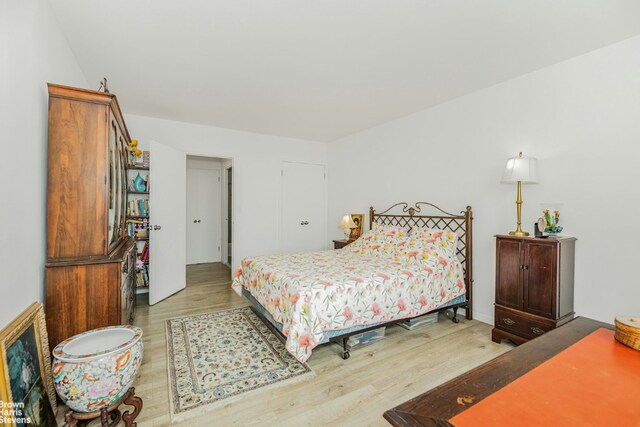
<point>214,358</point>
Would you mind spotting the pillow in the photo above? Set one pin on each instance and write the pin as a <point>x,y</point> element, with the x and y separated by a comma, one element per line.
<point>380,240</point>
<point>445,241</point>
<point>423,251</point>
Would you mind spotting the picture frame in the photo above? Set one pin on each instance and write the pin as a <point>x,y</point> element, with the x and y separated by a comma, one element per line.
<point>26,385</point>
<point>358,219</point>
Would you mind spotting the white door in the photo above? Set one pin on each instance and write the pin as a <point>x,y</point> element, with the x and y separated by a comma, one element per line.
<point>167,266</point>
<point>303,207</point>
<point>204,201</point>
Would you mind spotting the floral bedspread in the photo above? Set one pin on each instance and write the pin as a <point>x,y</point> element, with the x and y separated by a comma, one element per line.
<point>331,290</point>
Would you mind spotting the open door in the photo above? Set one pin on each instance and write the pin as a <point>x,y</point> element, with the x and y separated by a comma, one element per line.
<point>167,217</point>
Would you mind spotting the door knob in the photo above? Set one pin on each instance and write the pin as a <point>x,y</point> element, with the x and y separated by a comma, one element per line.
<point>157,227</point>
<point>195,220</point>
<point>304,223</point>
<point>198,221</point>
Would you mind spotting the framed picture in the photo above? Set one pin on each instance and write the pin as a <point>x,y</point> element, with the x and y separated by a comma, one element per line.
<point>26,385</point>
<point>358,219</point>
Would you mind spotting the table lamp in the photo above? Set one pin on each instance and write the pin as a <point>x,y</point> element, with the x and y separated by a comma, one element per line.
<point>347,224</point>
<point>520,170</point>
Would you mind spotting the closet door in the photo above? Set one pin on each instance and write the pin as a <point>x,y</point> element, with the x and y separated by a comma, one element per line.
<point>303,208</point>
<point>204,201</point>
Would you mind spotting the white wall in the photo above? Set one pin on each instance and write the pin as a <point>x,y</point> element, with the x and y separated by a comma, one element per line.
<point>580,118</point>
<point>256,172</point>
<point>33,51</point>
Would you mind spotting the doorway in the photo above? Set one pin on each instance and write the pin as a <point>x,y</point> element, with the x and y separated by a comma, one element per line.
<point>206,210</point>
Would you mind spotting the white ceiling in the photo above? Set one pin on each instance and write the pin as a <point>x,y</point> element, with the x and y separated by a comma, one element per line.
<point>323,69</point>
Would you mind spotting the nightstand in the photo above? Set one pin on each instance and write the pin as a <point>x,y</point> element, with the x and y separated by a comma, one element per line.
<point>338,244</point>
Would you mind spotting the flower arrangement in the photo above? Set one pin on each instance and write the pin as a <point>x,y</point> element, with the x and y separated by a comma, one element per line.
<point>134,151</point>
<point>552,222</point>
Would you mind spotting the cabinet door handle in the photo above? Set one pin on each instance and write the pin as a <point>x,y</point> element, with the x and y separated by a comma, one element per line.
<point>508,321</point>
<point>525,267</point>
<point>536,330</point>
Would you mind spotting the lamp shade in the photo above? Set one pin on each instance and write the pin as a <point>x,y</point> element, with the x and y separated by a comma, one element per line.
<point>523,169</point>
<point>346,222</point>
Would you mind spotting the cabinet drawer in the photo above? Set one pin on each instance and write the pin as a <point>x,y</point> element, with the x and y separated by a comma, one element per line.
<point>521,324</point>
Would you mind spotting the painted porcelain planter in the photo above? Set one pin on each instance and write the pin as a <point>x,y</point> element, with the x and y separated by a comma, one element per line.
<point>96,368</point>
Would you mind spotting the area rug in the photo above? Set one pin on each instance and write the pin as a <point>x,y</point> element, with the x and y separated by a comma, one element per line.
<point>215,358</point>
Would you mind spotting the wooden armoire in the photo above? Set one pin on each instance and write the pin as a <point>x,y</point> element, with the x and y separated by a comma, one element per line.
<point>534,286</point>
<point>90,268</point>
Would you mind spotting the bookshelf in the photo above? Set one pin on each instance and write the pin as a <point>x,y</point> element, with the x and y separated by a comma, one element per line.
<point>138,184</point>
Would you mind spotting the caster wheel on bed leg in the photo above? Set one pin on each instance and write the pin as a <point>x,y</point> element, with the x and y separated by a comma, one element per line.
<point>455,320</point>
<point>346,355</point>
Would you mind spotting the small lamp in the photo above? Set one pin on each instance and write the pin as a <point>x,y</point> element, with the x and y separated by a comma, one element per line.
<point>520,170</point>
<point>347,224</point>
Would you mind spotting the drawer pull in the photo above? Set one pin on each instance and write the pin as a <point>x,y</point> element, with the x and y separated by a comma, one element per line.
<point>536,330</point>
<point>508,321</point>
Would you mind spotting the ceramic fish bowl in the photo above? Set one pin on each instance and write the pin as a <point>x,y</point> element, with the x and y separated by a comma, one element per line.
<point>96,368</point>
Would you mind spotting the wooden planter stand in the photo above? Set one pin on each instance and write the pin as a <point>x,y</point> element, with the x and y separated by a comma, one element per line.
<point>109,416</point>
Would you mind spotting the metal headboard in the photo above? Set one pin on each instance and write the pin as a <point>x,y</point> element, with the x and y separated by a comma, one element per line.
<point>460,224</point>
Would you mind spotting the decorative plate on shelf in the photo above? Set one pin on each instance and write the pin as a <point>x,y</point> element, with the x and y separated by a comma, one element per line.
<point>542,224</point>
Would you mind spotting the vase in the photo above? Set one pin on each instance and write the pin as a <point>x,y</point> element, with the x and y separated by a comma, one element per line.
<point>138,184</point>
<point>95,369</point>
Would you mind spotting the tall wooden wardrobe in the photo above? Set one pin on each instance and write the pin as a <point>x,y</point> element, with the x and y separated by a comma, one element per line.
<point>90,268</point>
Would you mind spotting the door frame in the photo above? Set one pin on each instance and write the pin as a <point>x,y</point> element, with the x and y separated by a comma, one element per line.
<point>325,214</point>
<point>225,223</point>
<point>224,202</point>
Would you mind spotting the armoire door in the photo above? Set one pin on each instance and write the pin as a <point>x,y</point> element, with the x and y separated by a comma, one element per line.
<point>204,219</point>
<point>303,226</point>
<point>509,273</point>
<point>540,278</point>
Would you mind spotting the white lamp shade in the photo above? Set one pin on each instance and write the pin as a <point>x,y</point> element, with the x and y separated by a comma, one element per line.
<point>346,222</point>
<point>523,169</point>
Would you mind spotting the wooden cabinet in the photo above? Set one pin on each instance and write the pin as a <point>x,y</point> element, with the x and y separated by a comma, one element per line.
<point>89,255</point>
<point>339,244</point>
<point>534,286</point>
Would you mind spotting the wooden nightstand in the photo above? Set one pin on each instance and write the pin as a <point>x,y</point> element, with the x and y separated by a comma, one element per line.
<point>338,244</point>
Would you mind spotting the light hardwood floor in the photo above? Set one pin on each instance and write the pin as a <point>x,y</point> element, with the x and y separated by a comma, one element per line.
<point>354,392</point>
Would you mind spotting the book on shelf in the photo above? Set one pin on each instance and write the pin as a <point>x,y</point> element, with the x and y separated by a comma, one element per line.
<point>144,253</point>
<point>142,277</point>
<point>138,207</point>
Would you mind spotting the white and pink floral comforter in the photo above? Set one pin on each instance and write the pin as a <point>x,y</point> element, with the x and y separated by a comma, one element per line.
<point>331,290</point>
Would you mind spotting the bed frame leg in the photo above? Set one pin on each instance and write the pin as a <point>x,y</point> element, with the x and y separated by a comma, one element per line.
<point>345,349</point>
<point>455,319</point>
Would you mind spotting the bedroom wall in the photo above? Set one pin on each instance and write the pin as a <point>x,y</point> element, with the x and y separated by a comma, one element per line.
<point>257,161</point>
<point>33,51</point>
<point>580,118</point>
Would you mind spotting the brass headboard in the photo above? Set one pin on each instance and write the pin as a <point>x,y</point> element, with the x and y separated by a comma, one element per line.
<point>411,216</point>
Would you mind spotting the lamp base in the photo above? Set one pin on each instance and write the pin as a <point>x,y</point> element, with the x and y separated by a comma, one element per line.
<point>518,233</point>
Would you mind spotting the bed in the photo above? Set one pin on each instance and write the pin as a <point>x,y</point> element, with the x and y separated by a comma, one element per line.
<point>407,265</point>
